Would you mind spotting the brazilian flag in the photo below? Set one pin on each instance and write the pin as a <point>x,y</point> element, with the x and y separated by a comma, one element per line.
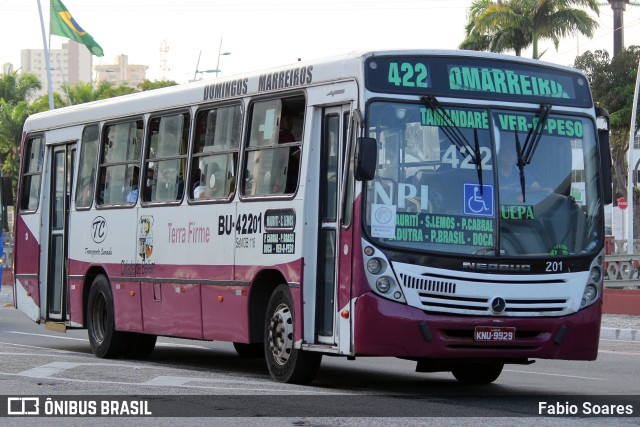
<point>63,24</point>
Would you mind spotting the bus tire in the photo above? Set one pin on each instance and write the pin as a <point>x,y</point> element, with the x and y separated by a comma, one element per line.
<point>140,345</point>
<point>477,373</point>
<point>105,341</point>
<point>285,363</point>
<point>249,351</point>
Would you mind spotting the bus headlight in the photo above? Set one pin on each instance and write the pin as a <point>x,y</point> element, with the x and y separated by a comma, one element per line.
<point>383,284</point>
<point>590,293</point>
<point>374,265</point>
<point>594,286</point>
<point>380,274</point>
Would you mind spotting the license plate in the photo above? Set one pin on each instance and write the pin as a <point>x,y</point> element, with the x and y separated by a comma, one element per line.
<point>494,333</point>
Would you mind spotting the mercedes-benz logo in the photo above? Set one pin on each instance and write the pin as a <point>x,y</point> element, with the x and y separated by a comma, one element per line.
<point>498,305</point>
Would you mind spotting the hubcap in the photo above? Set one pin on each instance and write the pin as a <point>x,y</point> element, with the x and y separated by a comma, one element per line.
<point>281,334</point>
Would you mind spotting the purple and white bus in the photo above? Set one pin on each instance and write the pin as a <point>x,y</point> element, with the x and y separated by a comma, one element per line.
<point>439,206</point>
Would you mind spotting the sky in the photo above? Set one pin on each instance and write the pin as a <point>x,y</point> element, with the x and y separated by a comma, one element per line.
<point>260,34</point>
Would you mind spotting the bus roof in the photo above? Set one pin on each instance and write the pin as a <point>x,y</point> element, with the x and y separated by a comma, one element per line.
<point>291,76</point>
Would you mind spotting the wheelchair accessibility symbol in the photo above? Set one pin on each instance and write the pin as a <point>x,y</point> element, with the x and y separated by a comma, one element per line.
<point>477,202</point>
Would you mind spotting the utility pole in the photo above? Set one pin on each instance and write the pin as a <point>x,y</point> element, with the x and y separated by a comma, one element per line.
<point>618,7</point>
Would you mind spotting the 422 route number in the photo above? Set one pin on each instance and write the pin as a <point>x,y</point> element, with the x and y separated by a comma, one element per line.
<point>407,74</point>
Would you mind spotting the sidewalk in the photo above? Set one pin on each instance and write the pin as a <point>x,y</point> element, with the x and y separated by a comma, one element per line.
<point>6,295</point>
<point>623,327</point>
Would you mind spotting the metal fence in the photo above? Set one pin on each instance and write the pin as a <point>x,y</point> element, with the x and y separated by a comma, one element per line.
<point>622,270</point>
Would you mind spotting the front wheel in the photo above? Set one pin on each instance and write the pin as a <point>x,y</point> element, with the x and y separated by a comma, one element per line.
<point>249,351</point>
<point>477,373</point>
<point>286,364</point>
<point>105,341</point>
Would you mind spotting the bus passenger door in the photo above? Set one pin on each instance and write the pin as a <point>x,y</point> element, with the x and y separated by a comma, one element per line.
<point>61,183</point>
<point>333,243</point>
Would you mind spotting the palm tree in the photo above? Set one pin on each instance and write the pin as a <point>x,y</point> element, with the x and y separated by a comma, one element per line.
<point>14,89</point>
<point>517,24</point>
<point>494,38</point>
<point>12,118</point>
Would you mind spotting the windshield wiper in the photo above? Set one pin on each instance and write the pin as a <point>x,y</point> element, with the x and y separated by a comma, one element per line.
<point>535,133</point>
<point>452,131</point>
<point>520,166</point>
<point>526,152</point>
<point>478,161</point>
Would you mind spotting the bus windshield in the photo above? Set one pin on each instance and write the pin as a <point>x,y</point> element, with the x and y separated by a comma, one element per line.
<point>480,181</point>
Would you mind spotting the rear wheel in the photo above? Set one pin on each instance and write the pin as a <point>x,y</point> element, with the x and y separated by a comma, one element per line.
<point>477,373</point>
<point>141,345</point>
<point>105,341</point>
<point>285,363</point>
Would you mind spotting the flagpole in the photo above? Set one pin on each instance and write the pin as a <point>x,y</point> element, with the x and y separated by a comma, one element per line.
<point>630,180</point>
<point>46,59</point>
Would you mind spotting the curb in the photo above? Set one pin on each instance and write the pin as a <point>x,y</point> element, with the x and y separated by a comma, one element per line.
<point>620,334</point>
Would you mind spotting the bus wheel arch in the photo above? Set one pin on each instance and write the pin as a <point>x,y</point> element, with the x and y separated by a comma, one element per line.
<point>262,287</point>
<point>89,277</point>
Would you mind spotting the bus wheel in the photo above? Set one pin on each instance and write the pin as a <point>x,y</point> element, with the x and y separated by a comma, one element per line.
<point>477,373</point>
<point>105,341</point>
<point>285,363</point>
<point>141,345</point>
<point>249,350</point>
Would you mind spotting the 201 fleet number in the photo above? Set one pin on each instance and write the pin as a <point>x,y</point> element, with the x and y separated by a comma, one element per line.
<point>554,266</point>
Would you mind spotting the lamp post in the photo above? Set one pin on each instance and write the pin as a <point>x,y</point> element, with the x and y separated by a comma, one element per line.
<point>197,71</point>
<point>64,81</point>
<point>220,53</point>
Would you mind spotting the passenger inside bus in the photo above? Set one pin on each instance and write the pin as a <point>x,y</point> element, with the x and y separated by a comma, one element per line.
<point>509,176</point>
<point>293,164</point>
<point>86,194</point>
<point>132,197</point>
<point>197,185</point>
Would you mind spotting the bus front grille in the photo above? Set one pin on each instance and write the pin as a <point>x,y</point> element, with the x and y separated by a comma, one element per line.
<point>444,295</point>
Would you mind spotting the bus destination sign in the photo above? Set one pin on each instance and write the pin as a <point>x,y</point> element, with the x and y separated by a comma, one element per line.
<point>476,78</point>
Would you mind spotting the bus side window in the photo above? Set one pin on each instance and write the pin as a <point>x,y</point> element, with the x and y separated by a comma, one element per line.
<point>118,174</point>
<point>87,168</point>
<point>215,153</point>
<point>165,159</point>
<point>272,162</point>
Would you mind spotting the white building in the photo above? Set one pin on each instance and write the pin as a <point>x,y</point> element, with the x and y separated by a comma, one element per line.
<point>121,72</point>
<point>70,64</point>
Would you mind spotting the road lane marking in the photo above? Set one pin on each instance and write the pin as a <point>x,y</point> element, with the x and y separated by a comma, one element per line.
<point>269,387</point>
<point>625,353</point>
<point>48,336</point>
<point>555,375</point>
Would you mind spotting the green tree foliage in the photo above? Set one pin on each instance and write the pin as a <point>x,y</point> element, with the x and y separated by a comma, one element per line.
<point>15,93</point>
<point>16,104</point>
<point>500,26</point>
<point>149,85</point>
<point>613,82</point>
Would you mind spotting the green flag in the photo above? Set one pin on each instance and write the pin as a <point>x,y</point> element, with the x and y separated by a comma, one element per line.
<point>63,24</point>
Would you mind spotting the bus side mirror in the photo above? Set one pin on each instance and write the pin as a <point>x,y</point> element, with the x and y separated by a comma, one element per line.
<point>602,123</point>
<point>366,158</point>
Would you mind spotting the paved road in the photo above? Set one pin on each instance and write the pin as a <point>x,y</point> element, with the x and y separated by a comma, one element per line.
<point>212,382</point>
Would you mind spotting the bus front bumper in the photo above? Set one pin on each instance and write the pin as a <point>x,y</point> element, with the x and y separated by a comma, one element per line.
<point>386,328</point>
